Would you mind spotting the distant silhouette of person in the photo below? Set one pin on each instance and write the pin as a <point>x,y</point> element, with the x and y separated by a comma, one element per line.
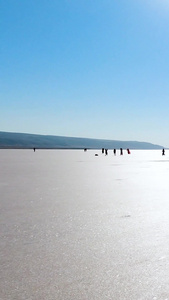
<point>85,149</point>
<point>114,151</point>
<point>163,152</point>
<point>106,151</point>
<point>102,150</point>
<point>128,151</point>
<point>121,151</point>
<point>34,149</point>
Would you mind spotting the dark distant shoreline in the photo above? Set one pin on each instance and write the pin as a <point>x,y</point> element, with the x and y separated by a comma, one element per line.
<point>10,140</point>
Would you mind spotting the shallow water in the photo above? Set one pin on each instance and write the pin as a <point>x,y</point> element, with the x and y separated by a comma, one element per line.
<point>75,226</point>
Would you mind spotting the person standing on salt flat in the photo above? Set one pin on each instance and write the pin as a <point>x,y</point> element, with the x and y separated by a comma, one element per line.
<point>121,151</point>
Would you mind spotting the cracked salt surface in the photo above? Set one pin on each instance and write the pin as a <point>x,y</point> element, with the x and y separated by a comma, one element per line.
<point>77,227</point>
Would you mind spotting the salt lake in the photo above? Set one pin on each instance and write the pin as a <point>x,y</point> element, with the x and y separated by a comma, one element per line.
<point>75,226</point>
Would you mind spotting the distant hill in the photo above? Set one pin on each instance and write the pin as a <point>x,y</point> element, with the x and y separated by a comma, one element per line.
<point>10,140</point>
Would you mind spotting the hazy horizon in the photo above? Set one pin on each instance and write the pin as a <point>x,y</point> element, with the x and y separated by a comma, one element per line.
<point>79,137</point>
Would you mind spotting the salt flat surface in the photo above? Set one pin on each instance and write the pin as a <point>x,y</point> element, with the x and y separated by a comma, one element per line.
<point>79,227</point>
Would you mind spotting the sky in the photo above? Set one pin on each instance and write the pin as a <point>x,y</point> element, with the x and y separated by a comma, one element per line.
<point>85,68</point>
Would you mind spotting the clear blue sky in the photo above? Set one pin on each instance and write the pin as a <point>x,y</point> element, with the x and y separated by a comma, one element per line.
<point>85,68</point>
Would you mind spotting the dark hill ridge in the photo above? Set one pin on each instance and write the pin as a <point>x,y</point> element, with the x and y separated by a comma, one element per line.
<point>10,140</point>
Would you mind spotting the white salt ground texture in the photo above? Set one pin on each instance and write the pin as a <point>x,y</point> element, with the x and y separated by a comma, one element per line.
<point>75,226</point>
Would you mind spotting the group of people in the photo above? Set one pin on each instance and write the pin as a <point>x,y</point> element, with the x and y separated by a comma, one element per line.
<point>114,151</point>
<point>121,151</point>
